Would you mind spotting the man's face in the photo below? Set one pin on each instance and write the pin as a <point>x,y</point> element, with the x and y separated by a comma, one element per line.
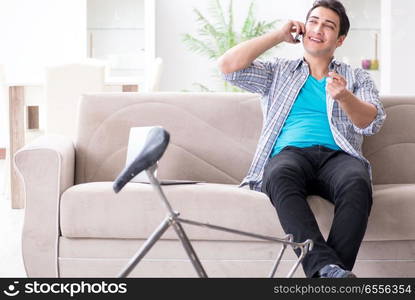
<point>322,30</point>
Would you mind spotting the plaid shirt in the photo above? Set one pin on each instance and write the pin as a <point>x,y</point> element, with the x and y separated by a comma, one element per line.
<point>279,82</point>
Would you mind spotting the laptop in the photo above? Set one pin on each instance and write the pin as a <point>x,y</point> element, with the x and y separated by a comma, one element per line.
<point>136,141</point>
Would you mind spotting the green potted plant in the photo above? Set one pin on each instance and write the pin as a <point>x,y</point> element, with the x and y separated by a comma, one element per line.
<point>215,38</point>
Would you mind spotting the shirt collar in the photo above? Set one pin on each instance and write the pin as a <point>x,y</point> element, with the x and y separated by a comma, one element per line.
<point>332,66</point>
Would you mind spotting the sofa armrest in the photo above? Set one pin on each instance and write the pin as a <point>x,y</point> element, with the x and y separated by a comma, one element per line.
<point>47,169</point>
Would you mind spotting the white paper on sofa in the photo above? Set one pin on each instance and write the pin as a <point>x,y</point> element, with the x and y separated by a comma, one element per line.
<point>136,140</point>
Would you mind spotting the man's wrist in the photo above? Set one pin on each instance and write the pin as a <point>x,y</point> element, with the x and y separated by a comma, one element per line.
<point>346,96</point>
<point>277,37</point>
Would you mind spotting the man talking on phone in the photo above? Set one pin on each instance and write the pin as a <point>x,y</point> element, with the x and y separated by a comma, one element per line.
<point>316,111</point>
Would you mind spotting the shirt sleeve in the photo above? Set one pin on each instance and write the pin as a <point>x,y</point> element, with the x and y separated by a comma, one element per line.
<point>366,91</point>
<point>257,78</point>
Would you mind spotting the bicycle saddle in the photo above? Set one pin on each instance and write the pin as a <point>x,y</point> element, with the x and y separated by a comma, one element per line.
<point>154,147</point>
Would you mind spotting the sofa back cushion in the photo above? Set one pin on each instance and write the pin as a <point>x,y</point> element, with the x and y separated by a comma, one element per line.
<point>213,136</point>
<point>392,150</point>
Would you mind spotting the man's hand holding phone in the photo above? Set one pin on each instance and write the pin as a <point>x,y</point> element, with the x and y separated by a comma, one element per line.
<point>292,27</point>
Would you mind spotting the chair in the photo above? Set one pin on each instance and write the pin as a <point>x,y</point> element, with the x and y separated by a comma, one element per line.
<point>64,86</point>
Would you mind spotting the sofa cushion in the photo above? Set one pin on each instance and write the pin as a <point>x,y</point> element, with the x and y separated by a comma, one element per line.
<point>94,210</point>
<point>391,217</point>
<point>201,127</point>
<point>391,151</point>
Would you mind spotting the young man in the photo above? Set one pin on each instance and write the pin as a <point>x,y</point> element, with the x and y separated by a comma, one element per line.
<point>316,111</point>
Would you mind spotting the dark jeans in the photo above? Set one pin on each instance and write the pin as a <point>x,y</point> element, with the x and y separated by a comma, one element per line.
<point>334,175</point>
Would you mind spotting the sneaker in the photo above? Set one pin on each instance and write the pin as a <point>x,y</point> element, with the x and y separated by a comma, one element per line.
<point>334,271</point>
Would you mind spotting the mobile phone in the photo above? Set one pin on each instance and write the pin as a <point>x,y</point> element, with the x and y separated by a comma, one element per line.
<point>297,37</point>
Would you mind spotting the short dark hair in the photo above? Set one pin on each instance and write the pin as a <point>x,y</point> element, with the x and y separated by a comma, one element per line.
<point>338,8</point>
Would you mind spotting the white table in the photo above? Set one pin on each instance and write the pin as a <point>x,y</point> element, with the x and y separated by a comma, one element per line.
<point>17,128</point>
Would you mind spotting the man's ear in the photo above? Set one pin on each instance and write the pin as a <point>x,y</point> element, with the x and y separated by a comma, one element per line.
<point>340,40</point>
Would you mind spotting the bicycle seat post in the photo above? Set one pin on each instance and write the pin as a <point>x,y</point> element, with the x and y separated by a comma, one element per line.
<point>156,184</point>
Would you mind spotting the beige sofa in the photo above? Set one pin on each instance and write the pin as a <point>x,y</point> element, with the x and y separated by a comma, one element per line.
<point>76,226</point>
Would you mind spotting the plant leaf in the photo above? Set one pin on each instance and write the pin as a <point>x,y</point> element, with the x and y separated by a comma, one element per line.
<point>199,46</point>
<point>215,38</point>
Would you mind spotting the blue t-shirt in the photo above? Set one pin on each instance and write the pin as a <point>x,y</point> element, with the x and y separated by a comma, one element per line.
<point>307,123</point>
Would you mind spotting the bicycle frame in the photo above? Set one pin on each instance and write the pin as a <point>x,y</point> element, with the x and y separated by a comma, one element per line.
<point>173,219</point>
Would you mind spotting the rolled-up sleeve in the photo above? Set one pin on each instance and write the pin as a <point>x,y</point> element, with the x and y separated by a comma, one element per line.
<point>257,78</point>
<point>366,91</point>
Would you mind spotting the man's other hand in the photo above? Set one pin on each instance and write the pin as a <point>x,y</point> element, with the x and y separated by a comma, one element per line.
<point>337,87</point>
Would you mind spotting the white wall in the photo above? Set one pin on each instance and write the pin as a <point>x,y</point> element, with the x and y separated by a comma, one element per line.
<point>399,46</point>
<point>3,111</point>
<point>35,34</point>
<point>174,18</point>
<point>38,33</point>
